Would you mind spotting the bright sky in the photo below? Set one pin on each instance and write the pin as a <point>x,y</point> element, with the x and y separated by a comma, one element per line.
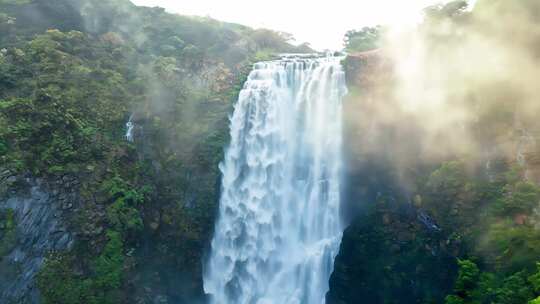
<point>321,23</point>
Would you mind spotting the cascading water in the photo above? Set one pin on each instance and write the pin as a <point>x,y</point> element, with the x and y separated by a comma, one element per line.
<point>279,227</point>
<point>129,129</point>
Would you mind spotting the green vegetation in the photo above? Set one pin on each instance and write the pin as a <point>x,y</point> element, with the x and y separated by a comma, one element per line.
<point>97,279</point>
<point>8,236</point>
<point>447,10</point>
<point>58,122</point>
<point>521,198</point>
<point>123,214</point>
<point>144,211</point>
<point>387,256</point>
<point>472,203</point>
<point>61,285</point>
<point>15,2</point>
<point>478,254</point>
<point>473,286</point>
<point>69,81</point>
<point>494,225</point>
<point>366,39</point>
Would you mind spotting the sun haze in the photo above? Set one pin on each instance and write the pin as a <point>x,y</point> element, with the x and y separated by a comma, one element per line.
<point>321,23</point>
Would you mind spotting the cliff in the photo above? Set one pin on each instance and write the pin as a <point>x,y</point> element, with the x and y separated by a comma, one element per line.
<point>441,180</point>
<point>86,215</point>
<point>392,250</point>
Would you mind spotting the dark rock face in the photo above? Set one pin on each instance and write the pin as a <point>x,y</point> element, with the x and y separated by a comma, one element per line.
<point>368,69</point>
<point>392,256</point>
<point>38,229</point>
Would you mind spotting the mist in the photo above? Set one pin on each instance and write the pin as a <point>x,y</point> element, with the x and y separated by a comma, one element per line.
<point>461,85</point>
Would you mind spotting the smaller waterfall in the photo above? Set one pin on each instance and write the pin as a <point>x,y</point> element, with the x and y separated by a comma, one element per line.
<point>130,126</point>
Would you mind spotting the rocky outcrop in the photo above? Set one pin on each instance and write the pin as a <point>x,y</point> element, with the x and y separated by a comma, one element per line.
<point>39,229</point>
<point>394,255</point>
<point>380,150</point>
<point>392,252</point>
<point>368,69</point>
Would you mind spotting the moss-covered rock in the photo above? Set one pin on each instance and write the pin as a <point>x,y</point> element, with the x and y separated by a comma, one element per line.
<point>390,256</point>
<point>8,235</point>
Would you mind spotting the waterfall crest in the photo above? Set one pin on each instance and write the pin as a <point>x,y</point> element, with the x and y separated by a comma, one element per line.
<point>279,228</point>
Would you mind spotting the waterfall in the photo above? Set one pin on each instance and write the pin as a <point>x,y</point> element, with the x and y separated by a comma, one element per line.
<point>278,229</point>
<point>129,129</point>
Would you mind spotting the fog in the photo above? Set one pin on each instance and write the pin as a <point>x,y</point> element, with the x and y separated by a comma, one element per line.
<point>464,84</point>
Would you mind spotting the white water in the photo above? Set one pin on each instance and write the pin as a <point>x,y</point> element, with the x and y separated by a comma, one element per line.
<point>129,129</point>
<point>279,228</point>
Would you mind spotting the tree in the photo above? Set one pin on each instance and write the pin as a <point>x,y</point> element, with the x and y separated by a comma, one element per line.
<point>468,276</point>
<point>448,10</point>
<point>514,290</point>
<point>366,39</point>
<point>535,279</point>
<point>520,198</point>
<point>535,301</point>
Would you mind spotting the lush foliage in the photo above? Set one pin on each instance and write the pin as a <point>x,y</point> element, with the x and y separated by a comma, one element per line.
<point>123,214</point>
<point>495,221</point>
<point>58,122</point>
<point>7,232</point>
<point>69,81</point>
<point>60,285</point>
<point>366,39</point>
<point>473,286</point>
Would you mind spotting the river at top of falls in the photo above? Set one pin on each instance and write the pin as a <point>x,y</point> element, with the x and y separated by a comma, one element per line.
<point>279,228</point>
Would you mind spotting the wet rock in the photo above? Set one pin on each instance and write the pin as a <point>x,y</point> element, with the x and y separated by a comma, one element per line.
<point>399,262</point>
<point>39,230</point>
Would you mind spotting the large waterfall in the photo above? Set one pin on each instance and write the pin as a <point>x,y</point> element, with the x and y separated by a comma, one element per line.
<point>279,227</point>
